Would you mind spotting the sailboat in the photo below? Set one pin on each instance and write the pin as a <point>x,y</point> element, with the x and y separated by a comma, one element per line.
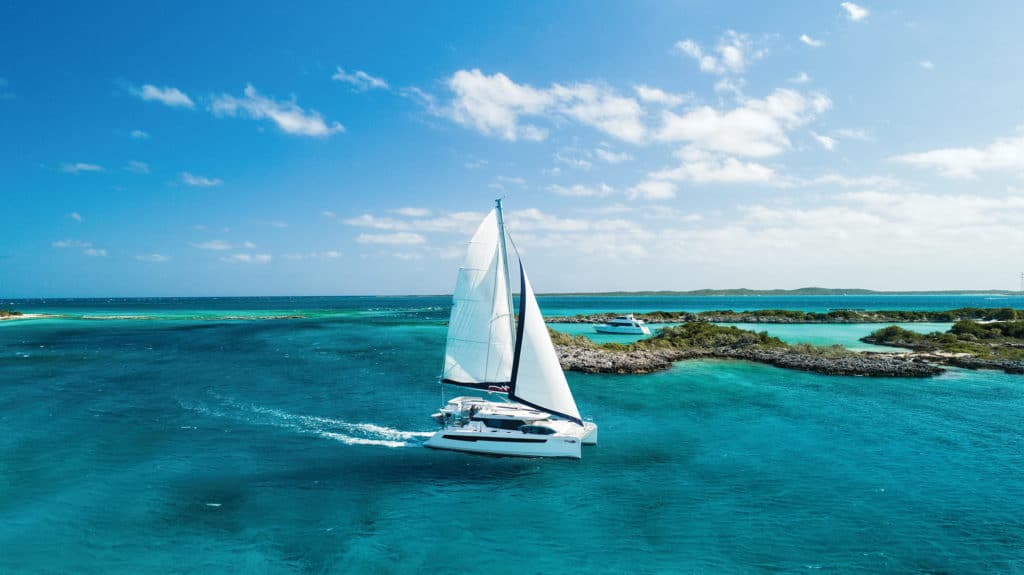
<point>529,410</point>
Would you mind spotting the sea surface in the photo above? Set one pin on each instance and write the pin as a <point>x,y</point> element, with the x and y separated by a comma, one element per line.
<point>192,436</point>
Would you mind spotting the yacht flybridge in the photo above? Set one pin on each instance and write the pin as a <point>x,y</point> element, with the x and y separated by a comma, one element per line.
<point>513,361</point>
<point>624,324</point>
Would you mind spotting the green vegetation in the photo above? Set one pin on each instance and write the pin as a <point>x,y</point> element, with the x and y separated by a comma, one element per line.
<point>9,313</point>
<point>707,335</point>
<point>1002,340</point>
<point>834,316</point>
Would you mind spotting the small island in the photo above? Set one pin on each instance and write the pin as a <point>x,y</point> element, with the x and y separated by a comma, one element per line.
<point>995,345</point>
<point>797,316</point>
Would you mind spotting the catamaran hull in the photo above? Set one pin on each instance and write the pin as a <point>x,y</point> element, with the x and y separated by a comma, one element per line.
<point>513,445</point>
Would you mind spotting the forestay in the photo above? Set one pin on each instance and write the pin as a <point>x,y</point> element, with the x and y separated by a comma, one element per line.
<point>479,348</point>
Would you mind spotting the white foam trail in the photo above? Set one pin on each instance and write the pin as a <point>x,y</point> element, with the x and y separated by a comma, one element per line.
<point>361,433</point>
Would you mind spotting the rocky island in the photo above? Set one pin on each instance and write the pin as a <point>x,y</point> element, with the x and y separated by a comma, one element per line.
<point>797,316</point>
<point>996,345</point>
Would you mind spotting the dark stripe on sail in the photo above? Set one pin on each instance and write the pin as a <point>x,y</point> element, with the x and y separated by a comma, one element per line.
<point>492,386</point>
<point>519,351</point>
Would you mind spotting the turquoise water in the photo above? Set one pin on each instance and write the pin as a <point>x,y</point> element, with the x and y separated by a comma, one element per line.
<point>294,446</point>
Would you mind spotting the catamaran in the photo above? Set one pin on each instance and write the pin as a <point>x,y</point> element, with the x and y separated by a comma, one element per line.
<point>529,410</point>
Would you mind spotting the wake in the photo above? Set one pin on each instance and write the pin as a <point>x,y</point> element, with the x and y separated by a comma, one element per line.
<point>325,427</point>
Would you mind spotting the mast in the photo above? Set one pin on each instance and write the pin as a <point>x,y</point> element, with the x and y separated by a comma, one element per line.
<point>504,266</point>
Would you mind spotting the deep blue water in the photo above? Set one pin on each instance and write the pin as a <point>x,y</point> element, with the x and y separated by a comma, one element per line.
<point>198,445</point>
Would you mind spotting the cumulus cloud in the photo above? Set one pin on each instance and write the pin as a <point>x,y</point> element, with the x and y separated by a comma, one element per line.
<point>612,157</point>
<point>95,252</point>
<point>152,258</point>
<point>247,258</point>
<point>137,167</point>
<point>218,245</point>
<point>167,95</point>
<point>71,244</point>
<point>811,41</point>
<point>80,167</point>
<point>801,78</point>
<point>200,181</point>
<point>581,191</point>
<point>658,96</point>
<point>652,190</point>
<point>854,12</point>
<point>398,238</point>
<point>325,255</point>
<point>704,167</point>
<point>495,105</point>
<point>360,81</point>
<point>827,142</point>
<point>757,128</point>
<point>139,135</point>
<point>287,116</point>
<point>75,216</point>
<point>927,64</point>
<point>413,212</point>
<point>1002,155</point>
<point>731,55</point>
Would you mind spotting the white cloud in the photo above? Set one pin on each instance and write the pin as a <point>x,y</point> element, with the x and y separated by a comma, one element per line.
<point>801,78</point>
<point>1002,155</point>
<point>710,168</point>
<point>758,128</point>
<point>851,134</point>
<point>95,252</point>
<point>494,105</point>
<point>811,41</point>
<point>71,244</point>
<point>413,212</point>
<point>80,167</point>
<point>137,167</point>
<point>360,80</point>
<point>657,96</point>
<point>288,116</point>
<point>75,216</point>
<point>732,86</point>
<point>652,190</point>
<point>200,181</point>
<point>569,158</point>
<point>139,135</point>
<point>398,238</point>
<point>854,12</point>
<point>475,163</point>
<point>827,142</point>
<point>247,258</point>
<point>581,191</point>
<point>152,258</point>
<point>732,54</point>
<point>612,157</point>
<point>866,182</point>
<point>927,64</point>
<point>325,255</point>
<point>168,96</point>
<point>217,245</point>
<point>601,108</point>
<point>328,214</point>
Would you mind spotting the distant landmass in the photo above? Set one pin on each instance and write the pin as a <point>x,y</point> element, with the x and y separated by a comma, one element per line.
<point>797,291</point>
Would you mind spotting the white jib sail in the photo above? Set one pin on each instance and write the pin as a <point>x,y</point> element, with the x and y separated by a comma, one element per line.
<point>479,346</point>
<point>539,379</point>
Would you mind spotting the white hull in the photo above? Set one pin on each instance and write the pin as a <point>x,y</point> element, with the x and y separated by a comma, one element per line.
<point>506,444</point>
<point>624,329</point>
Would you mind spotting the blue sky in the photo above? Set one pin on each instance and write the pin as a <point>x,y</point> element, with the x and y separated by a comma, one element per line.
<point>231,149</point>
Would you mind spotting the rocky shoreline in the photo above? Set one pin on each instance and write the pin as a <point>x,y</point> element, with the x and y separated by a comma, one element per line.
<point>597,360</point>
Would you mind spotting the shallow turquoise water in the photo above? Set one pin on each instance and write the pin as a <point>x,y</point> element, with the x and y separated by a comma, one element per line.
<point>293,446</point>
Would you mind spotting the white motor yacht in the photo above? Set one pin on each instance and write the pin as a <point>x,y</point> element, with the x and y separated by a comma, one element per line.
<point>624,324</point>
<point>529,410</point>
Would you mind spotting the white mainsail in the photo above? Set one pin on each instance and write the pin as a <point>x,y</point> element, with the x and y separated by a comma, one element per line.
<point>537,378</point>
<point>479,349</point>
